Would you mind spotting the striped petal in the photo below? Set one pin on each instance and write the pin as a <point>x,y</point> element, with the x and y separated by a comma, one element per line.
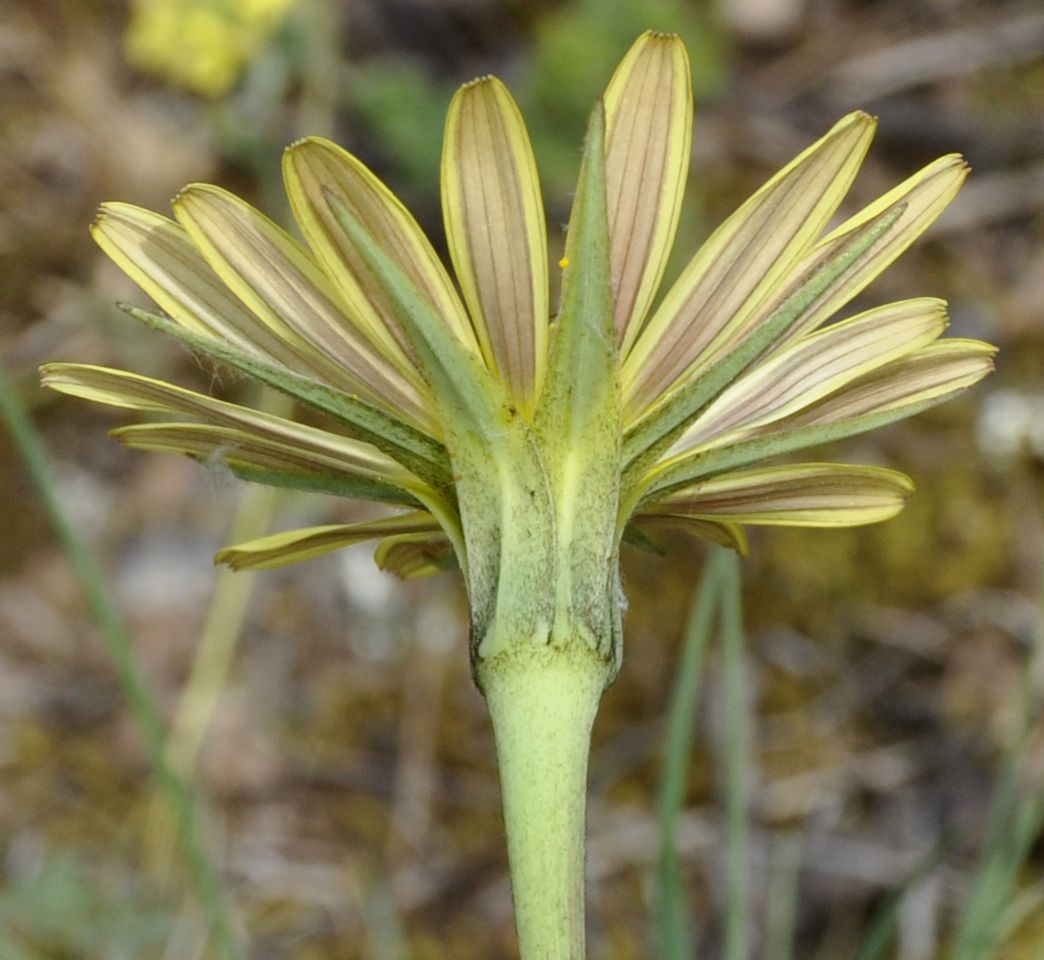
<point>919,200</point>
<point>923,379</point>
<point>817,366</point>
<point>261,459</point>
<point>648,114</point>
<point>742,263</point>
<point>795,495</point>
<point>158,256</point>
<point>285,288</point>
<point>497,236</point>
<point>281,549</point>
<point>730,535</point>
<point>675,412</point>
<point>316,169</point>
<point>135,392</point>
<point>896,391</point>
<point>415,555</point>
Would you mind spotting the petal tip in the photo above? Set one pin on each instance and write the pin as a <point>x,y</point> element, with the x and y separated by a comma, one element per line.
<point>292,150</point>
<point>112,210</point>
<point>226,558</point>
<point>666,35</point>
<point>313,141</point>
<point>950,165</point>
<point>865,123</point>
<point>487,79</point>
<point>194,192</point>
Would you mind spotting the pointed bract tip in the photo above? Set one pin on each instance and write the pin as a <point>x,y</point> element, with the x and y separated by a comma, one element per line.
<point>132,310</point>
<point>335,204</point>
<point>660,35</point>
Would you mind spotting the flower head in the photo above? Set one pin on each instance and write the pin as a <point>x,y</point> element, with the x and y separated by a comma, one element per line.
<point>214,41</point>
<point>523,447</point>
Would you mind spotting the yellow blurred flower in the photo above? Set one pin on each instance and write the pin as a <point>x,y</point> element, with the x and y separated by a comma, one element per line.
<point>203,45</point>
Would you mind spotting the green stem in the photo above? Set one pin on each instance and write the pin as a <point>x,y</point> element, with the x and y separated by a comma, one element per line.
<point>543,703</point>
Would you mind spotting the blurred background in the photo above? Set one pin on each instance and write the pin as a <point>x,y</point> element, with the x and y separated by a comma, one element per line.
<point>341,761</point>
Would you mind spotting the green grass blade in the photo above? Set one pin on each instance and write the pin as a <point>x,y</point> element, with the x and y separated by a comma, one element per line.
<point>883,925</point>
<point>1026,906</point>
<point>1015,822</point>
<point>783,896</point>
<point>737,800</point>
<point>985,912</point>
<point>129,673</point>
<point>385,937</point>
<point>675,938</point>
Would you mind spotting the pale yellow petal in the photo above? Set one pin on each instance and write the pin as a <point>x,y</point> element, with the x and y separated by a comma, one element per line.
<point>742,263</point>
<point>798,495</point>
<point>930,375</point>
<point>136,392</point>
<point>285,288</point>
<point>254,456</point>
<point>893,392</point>
<point>726,534</point>
<point>281,549</point>
<point>415,555</point>
<point>921,198</point>
<point>314,169</point>
<point>815,367</point>
<point>497,236</point>
<point>648,114</point>
<point>158,256</point>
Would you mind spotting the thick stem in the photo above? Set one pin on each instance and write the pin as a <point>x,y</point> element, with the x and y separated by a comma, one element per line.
<point>543,703</point>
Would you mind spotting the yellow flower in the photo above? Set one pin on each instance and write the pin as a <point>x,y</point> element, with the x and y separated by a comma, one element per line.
<point>225,274</point>
<point>202,45</point>
<point>526,449</point>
